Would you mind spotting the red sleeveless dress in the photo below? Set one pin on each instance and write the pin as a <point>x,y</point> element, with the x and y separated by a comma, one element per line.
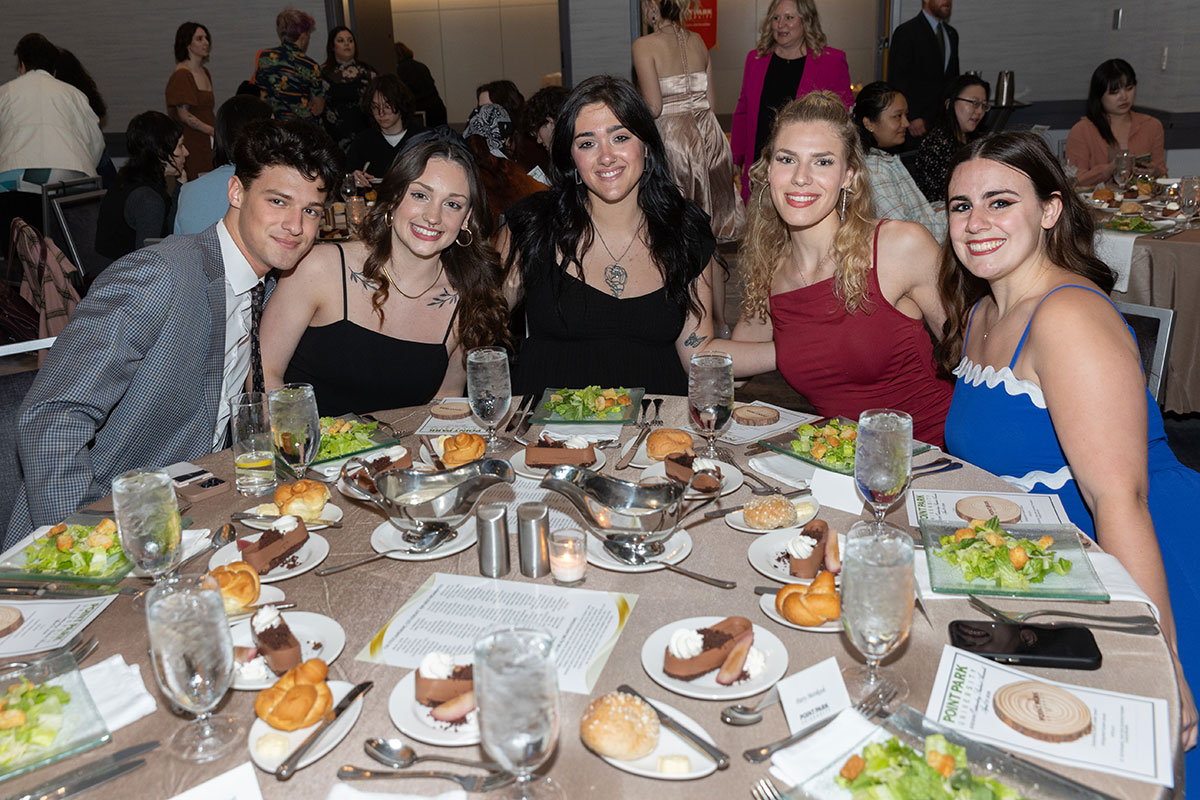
<point>845,363</point>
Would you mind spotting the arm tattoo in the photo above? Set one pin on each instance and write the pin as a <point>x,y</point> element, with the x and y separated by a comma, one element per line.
<point>442,299</point>
<point>615,276</point>
<point>694,340</point>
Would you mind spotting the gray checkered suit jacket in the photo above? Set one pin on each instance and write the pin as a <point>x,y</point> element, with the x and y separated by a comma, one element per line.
<point>133,382</point>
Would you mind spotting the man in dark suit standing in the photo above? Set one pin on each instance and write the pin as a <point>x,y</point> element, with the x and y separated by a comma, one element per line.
<point>923,61</point>
<point>142,375</point>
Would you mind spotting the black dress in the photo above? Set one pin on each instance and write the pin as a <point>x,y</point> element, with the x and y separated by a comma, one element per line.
<point>356,369</point>
<point>580,336</point>
<point>931,165</point>
<point>369,148</point>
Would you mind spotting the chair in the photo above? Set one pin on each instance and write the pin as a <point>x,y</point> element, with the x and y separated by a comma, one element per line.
<point>1152,328</point>
<point>62,189</point>
<point>76,215</point>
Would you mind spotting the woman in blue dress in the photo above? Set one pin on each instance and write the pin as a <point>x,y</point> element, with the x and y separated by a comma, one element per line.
<point>1050,393</point>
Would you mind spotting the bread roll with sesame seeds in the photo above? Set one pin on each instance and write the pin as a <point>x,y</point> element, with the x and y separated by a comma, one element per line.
<point>620,726</point>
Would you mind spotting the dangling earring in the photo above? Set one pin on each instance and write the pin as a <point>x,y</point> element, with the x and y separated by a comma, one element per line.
<point>842,210</point>
<point>761,192</point>
<point>578,178</point>
<point>470,238</point>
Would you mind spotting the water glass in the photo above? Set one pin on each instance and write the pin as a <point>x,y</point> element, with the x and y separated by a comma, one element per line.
<point>1189,197</point>
<point>295,425</point>
<point>883,458</point>
<point>349,186</point>
<point>710,396</point>
<point>1122,167</point>
<point>489,390</point>
<point>253,455</point>
<point>148,521</point>
<point>356,213</point>
<point>192,652</point>
<point>516,687</point>
<point>877,603</point>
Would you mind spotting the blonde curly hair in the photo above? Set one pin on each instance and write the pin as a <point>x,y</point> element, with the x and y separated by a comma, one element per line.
<point>814,37</point>
<point>767,243</point>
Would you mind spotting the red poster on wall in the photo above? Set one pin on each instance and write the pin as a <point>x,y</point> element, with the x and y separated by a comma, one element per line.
<point>703,20</point>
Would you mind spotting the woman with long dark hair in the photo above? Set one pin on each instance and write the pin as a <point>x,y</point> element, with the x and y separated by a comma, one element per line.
<point>140,206</point>
<point>613,264</point>
<point>1050,391</point>
<point>1111,124</point>
<point>965,107</point>
<point>346,80</point>
<point>386,321</point>
<point>189,94</point>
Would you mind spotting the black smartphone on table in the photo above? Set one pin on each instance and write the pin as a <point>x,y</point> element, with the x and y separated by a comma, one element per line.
<point>1063,646</point>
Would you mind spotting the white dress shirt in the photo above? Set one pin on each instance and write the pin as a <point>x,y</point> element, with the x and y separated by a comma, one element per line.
<point>240,280</point>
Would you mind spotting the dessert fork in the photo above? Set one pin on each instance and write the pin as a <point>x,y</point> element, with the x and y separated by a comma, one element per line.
<point>387,426</point>
<point>869,706</point>
<point>765,790</point>
<point>472,783</point>
<point>1004,616</point>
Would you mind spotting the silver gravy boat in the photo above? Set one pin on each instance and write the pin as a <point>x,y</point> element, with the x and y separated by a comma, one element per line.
<point>628,515</point>
<point>424,504</point>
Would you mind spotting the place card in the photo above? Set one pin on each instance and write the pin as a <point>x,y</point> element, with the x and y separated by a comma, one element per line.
<point>46,624</point>
<point>745,434</point>
<point>239,783</point>
<point>813,694</point>
<point>432,426</point>
<point>939,505</point>
<point>1078,726</point>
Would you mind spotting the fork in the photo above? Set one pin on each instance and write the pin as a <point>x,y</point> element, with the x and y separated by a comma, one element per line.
<point>765,790</point>
<point>77,647</point>
<point>657,421</point>
<point>386,426</point>
<point>472,783</point>
<point>992,611</point>
<point>869,706</point>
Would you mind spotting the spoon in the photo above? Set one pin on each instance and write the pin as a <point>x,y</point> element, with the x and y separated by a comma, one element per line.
<point>396,754</point>
<point>739,714</point>
<point>634,558</point>
<point>221,537</point>
<point>434,541</point>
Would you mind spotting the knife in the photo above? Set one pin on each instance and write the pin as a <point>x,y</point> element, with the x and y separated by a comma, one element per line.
<point>519,416</point>
<point>434,458</point>
<point>248,611</point>
<point>291,763</point>
<point>525,425</point>
<point>720,512</point>
<point>53,589</point>
<point>709,750</point>
<point>242,516</point>
<point>644,424</point>
<point>93,778</point>
<point>55,787</point>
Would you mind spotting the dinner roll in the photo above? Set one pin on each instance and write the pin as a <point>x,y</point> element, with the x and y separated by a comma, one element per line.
<point>769,512</point>
<point>663,443</point>
<point>620,726</point>
<point>304,498</point>
<point>462,449</point>
<point>298,699</point>
<point>239,585</point>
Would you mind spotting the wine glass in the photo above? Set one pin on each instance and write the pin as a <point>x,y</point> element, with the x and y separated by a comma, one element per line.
<point>295,425</point>
<point>710,396</point>
<point>883,458</point>
<point>877,603</point>
<point>1189,198</point>
<point>1122,168</point>
<point>192,653</point>
<point>489,390</point>
<point>349,186</point>
<point>148,522</point>
<point>516,687</point>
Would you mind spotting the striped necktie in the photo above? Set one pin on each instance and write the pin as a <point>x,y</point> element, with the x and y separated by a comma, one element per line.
<point>256,308</point>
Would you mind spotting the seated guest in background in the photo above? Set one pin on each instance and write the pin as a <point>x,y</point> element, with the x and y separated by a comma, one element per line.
<point>505,93</point>
<point>1050,391</point>
<point>537,120</point>
<point>386,321</point>
<point>502,93</point>
<point>844,297</point>
<point>142,375</point>
<point>965,107</point>
<point>390,104</point>
<point>613,264</point>
<point>1111,124</point>
<point>190,96</point>
<point>287,79</point>
<point>140,206</point>
<point>417,78</point>
<point>345,80</point>
<point>206,199</point>
<point>489,134</point>
<point>881,115</point>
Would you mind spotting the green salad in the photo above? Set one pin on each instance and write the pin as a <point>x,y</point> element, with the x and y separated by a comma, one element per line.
<point>84,550</point>
<point>892,770</point>
<point>344,437</point>
<point>30,717</point>
<point>587,403</point>
<point>1130,224</point>
<point>985,551</point>
<point>833,443</point>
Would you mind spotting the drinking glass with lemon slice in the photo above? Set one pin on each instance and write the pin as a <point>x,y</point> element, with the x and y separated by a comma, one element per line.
<point>253,453</point>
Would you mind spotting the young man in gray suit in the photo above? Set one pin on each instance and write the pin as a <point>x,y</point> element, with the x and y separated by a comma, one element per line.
<point>142,375</point>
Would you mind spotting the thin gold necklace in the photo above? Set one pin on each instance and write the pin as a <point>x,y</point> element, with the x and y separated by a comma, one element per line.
<point>396,286</point>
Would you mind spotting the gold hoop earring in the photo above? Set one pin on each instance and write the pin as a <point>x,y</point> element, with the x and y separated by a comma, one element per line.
<point>761,192</point>
<point>468,242</point>
<point>387,217</point>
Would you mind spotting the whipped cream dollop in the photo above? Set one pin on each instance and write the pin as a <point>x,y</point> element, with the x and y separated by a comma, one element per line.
<point>1172,206</point>
<point>285,524</point>
<point>704,463</point>
<point>436,666</point>
<point>255,670</point>
<point>396,452</point>
<point>756,663</point>
<point>686,643</point>
<point>576,442</point>
<point>801,546</point>
<point>265,617</point>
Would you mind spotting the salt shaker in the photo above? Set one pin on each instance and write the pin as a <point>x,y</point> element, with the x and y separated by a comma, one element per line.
<point>492,525</point>
<point>533,532</point>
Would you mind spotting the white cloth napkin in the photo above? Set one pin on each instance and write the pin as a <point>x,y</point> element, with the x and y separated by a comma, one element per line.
<point>1115,248</point>
<point>342,791</point>
<point>118,692</point>
<point>239,783</point>
<point>593,433</point>
<point>830,488</point>
<point>796,764</point>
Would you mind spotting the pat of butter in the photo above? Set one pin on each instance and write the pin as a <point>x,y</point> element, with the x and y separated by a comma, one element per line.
<point>674,765</point>
<point>271,746</point>
<point>803,509</point>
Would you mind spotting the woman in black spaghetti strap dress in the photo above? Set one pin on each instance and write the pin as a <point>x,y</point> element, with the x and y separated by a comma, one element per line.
<point>385,322</point>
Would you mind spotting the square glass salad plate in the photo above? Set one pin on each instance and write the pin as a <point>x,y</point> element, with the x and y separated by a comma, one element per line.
<point>14,562</point>
<point>543,414</point>
<point>782,443</point>
<point>376,440</point>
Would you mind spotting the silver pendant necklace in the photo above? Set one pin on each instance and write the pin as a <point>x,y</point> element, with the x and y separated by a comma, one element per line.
<point>615,275</point>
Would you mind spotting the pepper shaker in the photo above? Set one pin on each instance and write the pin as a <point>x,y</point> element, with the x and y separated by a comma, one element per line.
<point>533,532</point>
<point>492,525</point>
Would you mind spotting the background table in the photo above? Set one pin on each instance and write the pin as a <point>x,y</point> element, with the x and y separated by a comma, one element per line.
<point>365,598</point>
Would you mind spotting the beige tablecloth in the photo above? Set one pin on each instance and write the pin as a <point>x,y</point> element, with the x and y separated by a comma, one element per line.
<point>364,599</point>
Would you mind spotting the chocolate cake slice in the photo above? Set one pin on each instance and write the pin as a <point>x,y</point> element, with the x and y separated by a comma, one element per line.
<point>286,536</point>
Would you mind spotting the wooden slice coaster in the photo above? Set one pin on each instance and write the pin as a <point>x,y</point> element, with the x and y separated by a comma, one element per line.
<point>1041,711</point>
<point>10,620</point>
<point>756,416</point>
<point>984,507</point>
<point>451,410</point>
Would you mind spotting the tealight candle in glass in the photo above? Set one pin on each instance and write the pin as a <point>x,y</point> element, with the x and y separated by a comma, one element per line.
<point>568,556</point>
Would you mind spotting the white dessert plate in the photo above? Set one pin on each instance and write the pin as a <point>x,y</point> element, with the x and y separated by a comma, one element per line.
<point>319,636</point>
<point>678,547</point>
<point>388,537</point>
<point>767,603</point>
<point>671,743</point>
<point>641,459</point>
<point>310,554</point>
<point>706,687</point>
<point>414,719</point>
<point>330,513</point>
<point>764,556</point>
<point>266,595</point>
<point>331,738</point>
<point>737,520</point>
<point>731,478</point>
<point>517,460</point>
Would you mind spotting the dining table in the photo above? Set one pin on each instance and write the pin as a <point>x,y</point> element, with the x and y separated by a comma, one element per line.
<point>363,600</point>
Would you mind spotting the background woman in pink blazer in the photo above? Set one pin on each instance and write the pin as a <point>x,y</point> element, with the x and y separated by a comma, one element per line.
<point>790,61</point>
